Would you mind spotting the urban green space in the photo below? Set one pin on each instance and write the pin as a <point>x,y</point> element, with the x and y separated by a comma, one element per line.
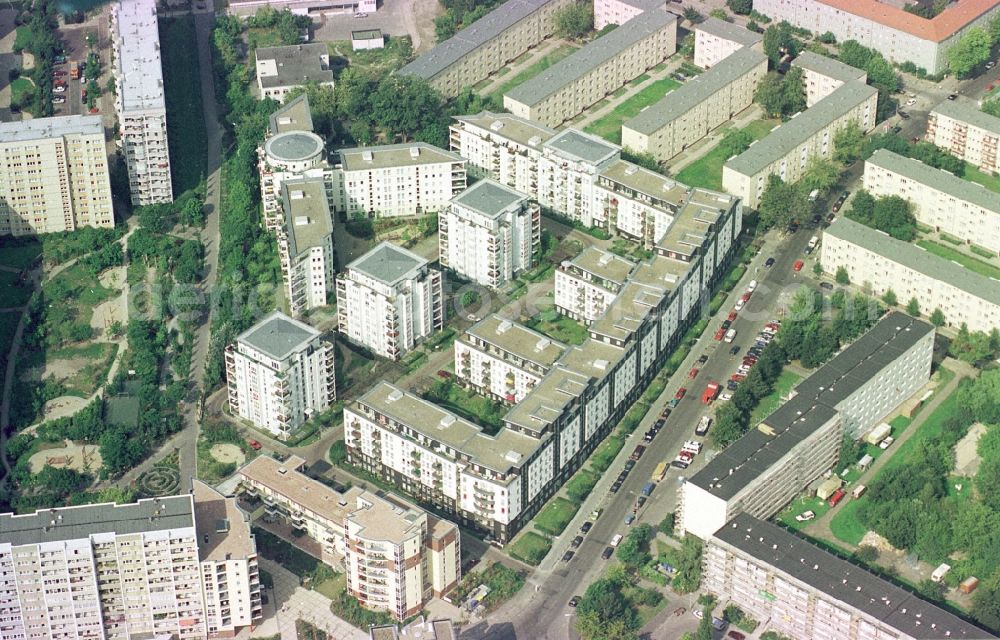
<point>609,126</point>
<point>973,264</point>
<point>706,172</point>
<point>540,65</point>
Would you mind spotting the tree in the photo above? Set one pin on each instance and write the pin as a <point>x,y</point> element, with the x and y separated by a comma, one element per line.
<point>937,317</point>
<point>827,37</point>
<point>686,49</point>
<point>720,14</point>
<point>913,307</point>
<point>740,7</point>
<point>973,347</point>
<point>930,590</point>
<point>688,576</point>
<point>981,398</point>
<point>691,15</point>
<point>972,50</point>
<point>736,141</point>
<point>842,276</point>
<point>991,107</point>
<point>781,95</point>
<point>866,553</point>
<point>848,143</point>
<point>793,91</point>
<point>780,203</point>
<point>730,424</point>
<point>778,40</point>
<point>891,214</point>
<point>704,631</point>
<point>575,20</point>
<point>817,269</point>
<point>821,174</point>
<point>633,551</point>
<point>666,525</point>
<point>889,298</point>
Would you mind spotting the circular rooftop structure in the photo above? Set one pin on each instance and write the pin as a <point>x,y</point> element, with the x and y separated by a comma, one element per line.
<point>294,146</point>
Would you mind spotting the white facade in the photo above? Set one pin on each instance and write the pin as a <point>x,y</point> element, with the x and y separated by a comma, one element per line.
<point>315,9</point>
<point>54,176</point>
<point>280,373</point>
<point>388,300</point>
<point>961,129</point>
<point>589,283</point>
<point>288,155</point>
<point>139,102</point>
<point>822,75</point>
<point>305,244</point>
<point>715,40</point>
<point>490,233</point>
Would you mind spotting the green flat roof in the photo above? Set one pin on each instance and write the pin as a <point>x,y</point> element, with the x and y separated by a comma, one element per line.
<point>937,179</point>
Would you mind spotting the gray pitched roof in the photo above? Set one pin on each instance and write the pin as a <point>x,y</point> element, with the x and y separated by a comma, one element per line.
<point>489,198</point>
<point>278,335</point>
<point>297,64</point>
<point>965,110</point>
<point>937,179</point>
<point>689,95</point>
<point>729,31</point>
<point>913,257</point>
<point>388,263</point>
<point>829,67</point>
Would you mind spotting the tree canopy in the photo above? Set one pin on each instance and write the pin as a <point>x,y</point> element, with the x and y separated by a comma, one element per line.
<point>740,7</point>
<point>971,50</point>
<point>781,203</point>
<point>891,214</point>
<point>575,20</point>
<point>782,94</point>
<point>779,40</point>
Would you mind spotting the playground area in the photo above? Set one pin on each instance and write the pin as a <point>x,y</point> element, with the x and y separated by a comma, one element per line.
<point>79,457</point>
<point>228,453</point>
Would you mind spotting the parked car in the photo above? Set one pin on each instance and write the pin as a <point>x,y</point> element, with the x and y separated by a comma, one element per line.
<point>256,446</point>
<point>732,385</point>
<point>903,115</point>
<point>805,516</point>
<point>732,316</point>
<point>615,487</point>
<point>641,501</point>
<point>577,541</point>
<point>826,285</point>
<point>720,334</point>
<point>575,600</point>
<point>726,397</point>
<point>607,553</point>
<point>733,350</point>
<point>798,265</point>
<point>629,519</point>
<point>58,100</point>
<point>885,444</point>
<point>638,451</point>
<point>616,540</point>
<point>680,393</point>
<point>59,89</point>
<point>444,374</point>
<point>736,635</point>
<point>693,373</point>
<point>952,96</point>
<point>836,497</point>
<point>769,262</point>
<point>585,527</point>
<point>703,358</point>
<point>567,556</point>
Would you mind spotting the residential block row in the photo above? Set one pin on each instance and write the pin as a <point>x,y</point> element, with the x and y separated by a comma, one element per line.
<point>961,129</point>
<point>715,40</point>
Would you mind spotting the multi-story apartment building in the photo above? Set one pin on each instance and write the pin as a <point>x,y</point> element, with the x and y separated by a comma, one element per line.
<point>396,556</point>
<point>487,45</point>
<point>387,181</point>
<point>882,263</point>
<point>964,209</point>
<point>715,40</point>
<point>597,69</point>
<point>765,469</point>
<point>294,152</point>
<point>305,244</point>
<point>181,566</point>
<point>503,147</point>
<point>389,300</point>
<point>490,233</point>
<point>504,360</point>
<point>281,69</point>
<point>691,111</point>
<point>589,283</point>
<point>54,176</point>
<point>899,35</point>
<point>787,150</point>
<point>139,102</point>
<point>567,174</point>
<point>805,592</point>
<point>621,11</point>
<point>822,75</point>
<point>280,372</point>
<point>961,129</point>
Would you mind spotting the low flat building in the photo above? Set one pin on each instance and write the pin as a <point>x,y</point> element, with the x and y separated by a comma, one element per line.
<point>822,75</point>
<point>882,262</point>
<point>949,204</point>
<point>388,300</point>
<point>315,9</point>
<point>596,70</point>
<point>805,592</point>
<point>280,373</point>
<point>396,556</point>
<point>621,11</point>
<point>690,112</point>
<point>961,129</point>
<point>367,39</point>
<point>419,629</point>
<point>589,283</point>
<point>787,150</point>
<point>800,441</point>
<point>305,244</point>
<point>281,69</point>
<point>715,40</point>
<point>489,234</point>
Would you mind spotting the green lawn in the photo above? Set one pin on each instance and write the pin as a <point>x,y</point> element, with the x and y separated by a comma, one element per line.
<point>13,292</point>
<point>284,553</point>
<point>22,37</point>
<point>182,88</point>
<point>539,66</point>
<point>333,587</point>
<point>555,516</point>
<point>605,454</point>
<point>770,402</point>
<point>18,89</point>
<point>967,261</point>
<point>609,127</point>
<point>396,52</point>
<point>706,172</point>
<point>559,327</point>
<point>530,548</point>
<point>973,174</point>
<point>800,505</point>
<point>20,256</point>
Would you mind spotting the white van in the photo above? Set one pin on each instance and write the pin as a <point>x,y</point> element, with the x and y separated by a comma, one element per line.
<point>730,335</point>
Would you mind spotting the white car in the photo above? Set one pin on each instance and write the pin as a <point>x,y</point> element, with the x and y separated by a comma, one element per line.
<point>58,100</point>
<point>991,64</point>
<point>726,396</point>
<point>806,516</point>
<point>698,613</point>
<point>911,102</point>
<point>83,79</point>
<point>752,286</point>
<point>885,444</point>
<point>59,89</point>
<point>739,304</point>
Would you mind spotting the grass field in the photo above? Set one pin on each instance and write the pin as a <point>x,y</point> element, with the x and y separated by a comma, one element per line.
<point>18,89</point>
<point>771,401</point>
<point>555,516</point>
<point>559,328</point>
<point>609,127</point>
<point>396,53</point>
<point>967,261</point>
<point>530,548</point>
<point>182,87</point>
<point>973,174</point>
<point>13,292</point>
<point>22,37</point>
<point>706,172</point>
<point>539,66</point>
<point>20,256</point>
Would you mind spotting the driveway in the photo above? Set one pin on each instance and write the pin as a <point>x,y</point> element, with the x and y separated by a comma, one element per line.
<point>394,17</point>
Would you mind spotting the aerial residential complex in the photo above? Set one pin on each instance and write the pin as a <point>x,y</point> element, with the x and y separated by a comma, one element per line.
<point>54,176</point>
<point>389,300</point>
<point>489,234</point>
<point>715,40</point>
<point>599,68</point>
<point>961,129</point>
<point>280,372</point>
<point>281,69</point>
<point>765,469</point>
<point>589,283</point>
<point>393,180</point>
<point>305,244</point>
<point>691,111</point>
<point>787,150</point>
<point>396,556</point>
<point>315,9</point>
<point>806,592</point>
<point>941,200</point>
<point>822,75</point>
<point>485,46</point>
<point>139,102</point>
<point>882,262</point>
<point>182,566</point>
<point>900,36</point>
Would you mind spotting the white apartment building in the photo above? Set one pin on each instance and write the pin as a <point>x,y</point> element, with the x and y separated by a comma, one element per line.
<point>152,568</point>
<point>315,9</point>
<point>898,35</point>
<point>280,373</point>
<point>305,244</point>
<point>54,176</point>
<point>139,102</point>
<point>805,592</point>
<point>567,174</point>
<point>281,69</point>
<point>966,210</point>
<point>961,129</point>
<point>765,469</point>
<point>504,360</point>
<point>289,155</point>
<point>589,283</point>
<point>881,262</point>
<point>621,11</point>
<point>396,556</point>
<point>503,147</point>
<point>597,69</point>
<point>822,75</point>
<point>715,40</point>
<point>690,112</point>
<point>387,181</point>
<point>787,150</point>
<point>490,233</point>
<point>388,300</point>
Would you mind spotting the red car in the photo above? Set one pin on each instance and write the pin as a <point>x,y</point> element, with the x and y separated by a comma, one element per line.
<point>798,265</point>
<point>745,297</point>
<point>57,73</point>
<point>720,334</point>
<point>256,446</point>
<point>693,373</point>
<point>444,374</point>
<point>732,316</point>
<point>738,377</point>
<point>680,393</point>
<point>736,635</point>
<point>836,497</point>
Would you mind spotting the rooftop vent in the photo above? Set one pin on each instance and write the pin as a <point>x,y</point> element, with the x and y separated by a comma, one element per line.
<point>504,327</point>
<point>600,365</point>
<point>282,470</point>
<point>542,344</point>
<point>631,170</point>
<point>367,156</point>
<point>447,421</point>
<point>395,395</point>
<point>534,141</point>
<point>496,126</point>
<point>297,194</point>
<point>301,221</point>
<point>512,456</point>
<point>605,259</point>
<point>414,152</point>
